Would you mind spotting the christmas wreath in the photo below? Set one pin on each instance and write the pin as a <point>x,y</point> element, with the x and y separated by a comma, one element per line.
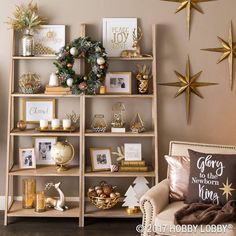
<point>95,55</point>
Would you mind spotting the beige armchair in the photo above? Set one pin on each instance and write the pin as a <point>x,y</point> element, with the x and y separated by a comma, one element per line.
<point>158,212</point>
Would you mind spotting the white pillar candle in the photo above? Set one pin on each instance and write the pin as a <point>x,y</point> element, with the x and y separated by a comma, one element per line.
<point>43,124</point>
<point>55,123</point>
<point>66,124</point>
<point>53,80</point>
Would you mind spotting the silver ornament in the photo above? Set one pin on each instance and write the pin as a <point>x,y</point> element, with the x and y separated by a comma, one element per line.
<point>100,61</point>
<point>69,82</point>
<point>73,51</point>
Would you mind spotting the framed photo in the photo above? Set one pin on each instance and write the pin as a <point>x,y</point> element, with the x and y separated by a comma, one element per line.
<point>119,82</point>
<point>43,146</point>
<point>35,110</point>
<point>118,35</point>
<point>133,151</point>
<point>49,39</point>
<point>27,158</point>
<point>100,159</point>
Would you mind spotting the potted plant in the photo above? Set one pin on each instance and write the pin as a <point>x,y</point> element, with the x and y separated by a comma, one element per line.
<point>27,20</point>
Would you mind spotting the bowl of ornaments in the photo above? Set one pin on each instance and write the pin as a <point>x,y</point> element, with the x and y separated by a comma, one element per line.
<point>103,196</point>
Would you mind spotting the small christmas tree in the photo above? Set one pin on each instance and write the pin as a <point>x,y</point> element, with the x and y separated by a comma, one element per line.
<point>140,186</point>
<point>131,201</point>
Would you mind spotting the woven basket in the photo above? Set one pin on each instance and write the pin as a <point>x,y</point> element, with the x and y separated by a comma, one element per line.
<point>103,203</point>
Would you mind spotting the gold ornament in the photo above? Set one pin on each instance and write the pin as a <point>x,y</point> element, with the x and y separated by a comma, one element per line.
<point>188,85</point>
<point>189,5</point>
<point>227,189</point>
<point>137,124</point>
<point>229,51</point>
<point>21,125</point>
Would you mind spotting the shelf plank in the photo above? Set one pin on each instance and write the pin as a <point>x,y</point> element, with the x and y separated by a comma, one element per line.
<point>39,95</point>
<point>16,210</point>
<point>33,132</point>
<point>45,171</point>
<point>117,212</point>
<point>34,58</point>
<point>90,173</point>
<point>144,58</point>
<point>126,134</point>
<point>120,96</point>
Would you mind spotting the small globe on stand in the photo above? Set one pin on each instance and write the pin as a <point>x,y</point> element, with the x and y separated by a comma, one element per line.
<point>62,153</point>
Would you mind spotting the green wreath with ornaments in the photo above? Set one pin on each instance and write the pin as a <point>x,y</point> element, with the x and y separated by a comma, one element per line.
<point>94,53</point>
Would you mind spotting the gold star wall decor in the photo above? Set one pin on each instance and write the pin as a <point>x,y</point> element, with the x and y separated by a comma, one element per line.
<point>227,189</point>
<point>189,5</point>
<point>188,84</point>
<point>229,51</point>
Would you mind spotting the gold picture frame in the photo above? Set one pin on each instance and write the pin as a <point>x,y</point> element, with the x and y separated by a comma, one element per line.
<point>27,158</point>
<point>25,116</point>
<point>119,83</point>
<point>103,159</point>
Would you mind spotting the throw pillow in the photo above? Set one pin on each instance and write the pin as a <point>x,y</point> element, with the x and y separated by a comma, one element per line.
<point>178,175</point>
<point>212,178</point>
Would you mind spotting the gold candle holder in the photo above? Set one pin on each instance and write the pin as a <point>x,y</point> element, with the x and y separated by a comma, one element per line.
<point>29,190</point>
<point>40,202</point>
<point>102,89</point>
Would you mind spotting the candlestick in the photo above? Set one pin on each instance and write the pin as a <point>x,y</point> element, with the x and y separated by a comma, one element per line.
<point>29,189</point>
<point>55,123</point>
<point>43,124</point>
<point>102,89</point>
<point>40,203</point>
<point>66,124</point>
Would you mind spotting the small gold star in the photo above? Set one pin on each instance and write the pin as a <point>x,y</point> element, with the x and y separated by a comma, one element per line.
<point>227,189</point>
<point>189,5</point>
<point>229,51</point>
<point>188,85</point>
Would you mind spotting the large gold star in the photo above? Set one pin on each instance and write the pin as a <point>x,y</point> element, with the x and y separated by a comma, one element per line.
<point>189,5</point>
<point>229,51</point>
<point>188,85</point>
<point>227,189</point>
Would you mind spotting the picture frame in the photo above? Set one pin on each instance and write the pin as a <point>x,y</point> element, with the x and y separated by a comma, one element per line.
<point>27,158</point>
<point>43,146</point>
<point>118,35</point>
<point>100,159</point>
<point>133,151</point>
<point>34,110</point>
<point>49,39</point>
<point>119,82</point>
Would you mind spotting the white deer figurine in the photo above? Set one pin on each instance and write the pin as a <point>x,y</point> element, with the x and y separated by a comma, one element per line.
<point>57,204</point>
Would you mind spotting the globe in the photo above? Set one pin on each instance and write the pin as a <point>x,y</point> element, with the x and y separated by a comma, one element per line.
<point>62,153</point>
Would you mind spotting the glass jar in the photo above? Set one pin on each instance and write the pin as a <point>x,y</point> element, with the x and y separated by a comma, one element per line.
<point>40,202</point>
<point>99,123</point>
<point>29,190</point>
<point>118,115</point>
<point>27,44</point>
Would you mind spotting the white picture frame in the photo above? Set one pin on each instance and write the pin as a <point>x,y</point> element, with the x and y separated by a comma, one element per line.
<point>133,151</point>
<point>43,146</point>
<point>118,35</point>
<point>118,83</point>
<point>35,110</point>
<point>100,159</point>
<point>27,158</point>
<point>49,39</point>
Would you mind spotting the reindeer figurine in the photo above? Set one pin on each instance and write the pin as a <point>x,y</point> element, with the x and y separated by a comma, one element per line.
<point>137,50</point>
<point>57,204</point>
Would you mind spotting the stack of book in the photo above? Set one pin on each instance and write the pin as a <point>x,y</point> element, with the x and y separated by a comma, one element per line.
<point>58,90</point>
<point>133,166</point>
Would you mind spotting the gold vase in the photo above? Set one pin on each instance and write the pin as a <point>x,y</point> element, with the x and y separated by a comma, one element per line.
<point>143,85</point>
<point>29,191</point>
<point>40,202</point>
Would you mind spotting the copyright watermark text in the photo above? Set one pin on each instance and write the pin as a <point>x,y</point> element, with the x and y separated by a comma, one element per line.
<point>165,228</point>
